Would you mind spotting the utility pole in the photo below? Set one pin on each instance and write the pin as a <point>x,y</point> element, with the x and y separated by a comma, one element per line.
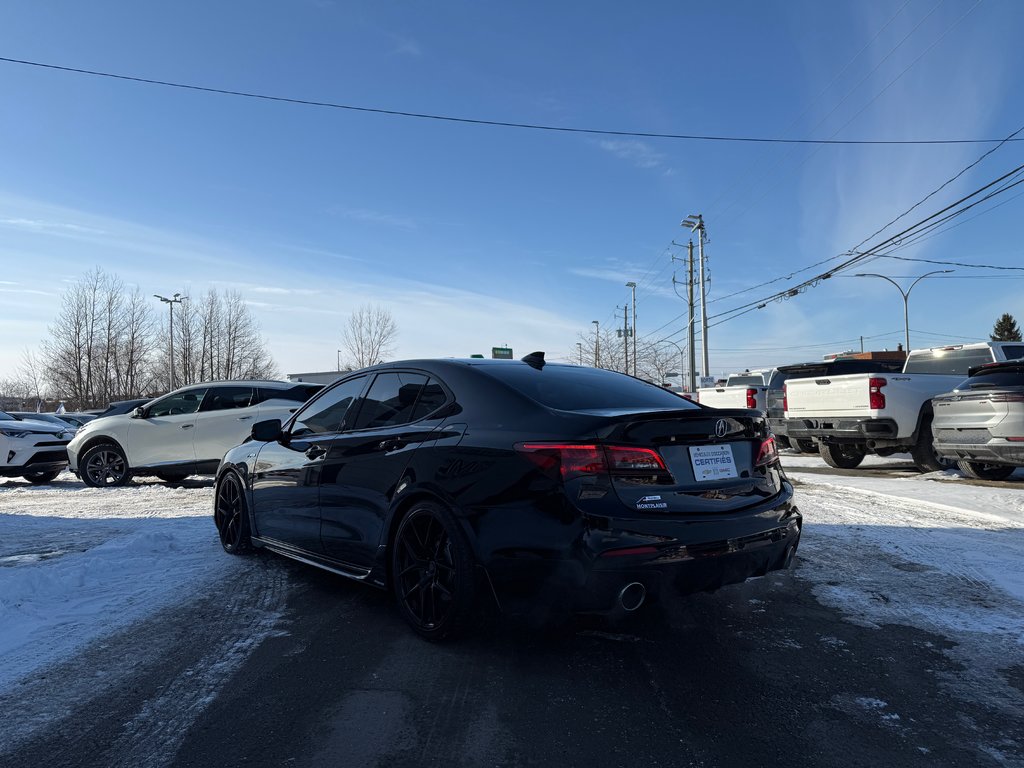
<point>689,333</point>
<point>625,336</point>
<point>632,285</point>
<point>696,224</point>
<point>177,299</point>
<point>597,343</point>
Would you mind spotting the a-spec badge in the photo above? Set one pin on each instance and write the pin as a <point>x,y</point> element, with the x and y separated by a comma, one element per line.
<point>651,502</point>
<point>721,428</point>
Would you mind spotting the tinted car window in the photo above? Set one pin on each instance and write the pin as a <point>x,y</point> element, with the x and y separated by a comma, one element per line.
<point>1013,352</point>
<point>432,397</point>
<point>572,389</point>
<point>327,413</point>
<point>745,381</point>
<point>300,393</point>
<point>225,398</point>
<point>391,400</point>
<point>174,405</point>
<point>1006,377</point>
<point>949,362</point>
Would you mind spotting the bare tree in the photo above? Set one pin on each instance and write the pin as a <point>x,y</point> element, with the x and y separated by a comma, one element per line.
<point>369,336</point>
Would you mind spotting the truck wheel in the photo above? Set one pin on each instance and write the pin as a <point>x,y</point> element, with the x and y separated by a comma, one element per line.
<point>805,446</point>
<point>841,456</point>
<point>923,451</point>
<point>981,471</point>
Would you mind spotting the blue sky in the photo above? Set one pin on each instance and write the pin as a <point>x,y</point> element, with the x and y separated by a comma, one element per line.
<point>476,236</point>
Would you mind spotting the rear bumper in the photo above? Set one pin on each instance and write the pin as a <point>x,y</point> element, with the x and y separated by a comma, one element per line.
<point>673,556</point>
<point>843,430</point>
<point>995,451</point>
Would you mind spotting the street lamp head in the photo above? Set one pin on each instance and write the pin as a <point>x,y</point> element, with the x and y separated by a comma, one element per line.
<point>631,284</point>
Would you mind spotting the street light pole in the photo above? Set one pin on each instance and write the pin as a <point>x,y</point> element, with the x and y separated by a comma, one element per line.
<point>906,297</point>
<point>597,343</point>
<point>632,286</point>
<point>176,299</point>
<point>680,350</point>
<point>579,347</point>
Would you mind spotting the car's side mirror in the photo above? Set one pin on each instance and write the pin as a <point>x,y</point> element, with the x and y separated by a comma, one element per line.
<point>139,413</point>
<point>267,431</point>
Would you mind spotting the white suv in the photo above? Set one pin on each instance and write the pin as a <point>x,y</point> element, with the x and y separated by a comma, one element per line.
<point>35,450</point>
<point>182,433</point>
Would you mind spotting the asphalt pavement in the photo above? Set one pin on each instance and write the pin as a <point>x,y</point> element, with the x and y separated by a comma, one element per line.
<point>759,674</point>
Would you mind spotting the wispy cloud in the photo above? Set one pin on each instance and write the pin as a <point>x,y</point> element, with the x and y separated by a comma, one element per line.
<point>405,46</point>
<point>54,227</point>
<point>639,153</point>
<point>377,217</point>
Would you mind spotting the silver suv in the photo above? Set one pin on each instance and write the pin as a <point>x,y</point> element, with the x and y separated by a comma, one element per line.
<point>182,433</point>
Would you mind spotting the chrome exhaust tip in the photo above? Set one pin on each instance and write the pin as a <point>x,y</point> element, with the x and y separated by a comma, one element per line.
<point>632,596</point>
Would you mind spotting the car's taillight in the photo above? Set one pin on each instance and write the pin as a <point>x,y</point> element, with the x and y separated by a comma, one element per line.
<point>1007,397</point>
<point>573,460</point>
<point>751,398</point>
<point>876,397</point>
<point>768,453</point>
<point>785,398</point>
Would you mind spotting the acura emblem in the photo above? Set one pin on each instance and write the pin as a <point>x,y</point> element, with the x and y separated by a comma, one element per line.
<point>721,428</point>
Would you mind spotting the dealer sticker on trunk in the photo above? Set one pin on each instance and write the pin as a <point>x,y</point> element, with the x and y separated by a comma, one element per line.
<point>712,462</point>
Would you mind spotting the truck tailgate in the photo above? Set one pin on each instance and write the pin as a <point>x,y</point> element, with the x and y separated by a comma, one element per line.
<point>828,396</point>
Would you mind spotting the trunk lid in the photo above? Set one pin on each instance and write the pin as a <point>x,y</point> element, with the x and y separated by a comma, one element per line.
<point>711,456</point>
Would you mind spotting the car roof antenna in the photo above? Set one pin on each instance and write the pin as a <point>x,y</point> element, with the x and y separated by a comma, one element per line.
<point>535,360</point>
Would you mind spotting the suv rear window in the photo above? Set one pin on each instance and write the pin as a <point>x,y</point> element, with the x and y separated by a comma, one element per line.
<point>567,388</point>
<point>995,379</point>
<point>300,393</point>
<point>948,362</point>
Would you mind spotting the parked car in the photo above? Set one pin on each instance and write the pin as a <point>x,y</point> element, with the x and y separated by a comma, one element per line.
<point>182,433</point>
<point>531,484</point>
<point>980,424</point>
<point>34,450</point>
<point>884,413</point>
<point>838,366</point>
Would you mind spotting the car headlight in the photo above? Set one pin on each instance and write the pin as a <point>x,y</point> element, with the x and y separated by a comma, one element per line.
<point>14,432</point>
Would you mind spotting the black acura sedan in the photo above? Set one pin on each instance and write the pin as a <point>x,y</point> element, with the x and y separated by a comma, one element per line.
<point>523,483</point>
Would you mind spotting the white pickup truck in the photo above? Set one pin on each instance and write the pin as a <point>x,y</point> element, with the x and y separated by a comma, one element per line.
<point>741,390</point>
<point>884,412</point>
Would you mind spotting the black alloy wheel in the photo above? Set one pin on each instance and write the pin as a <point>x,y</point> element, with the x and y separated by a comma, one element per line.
<point>842,455</point>
<point>41,478</point>
<point>981,471</point>
<point>804,445</point>
<point>923,451</point>
<point>432,572</point>
<point>104,466</point>
<point>231,516</point>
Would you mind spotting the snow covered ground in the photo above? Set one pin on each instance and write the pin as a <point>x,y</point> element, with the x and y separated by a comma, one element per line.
<point>883,546</point>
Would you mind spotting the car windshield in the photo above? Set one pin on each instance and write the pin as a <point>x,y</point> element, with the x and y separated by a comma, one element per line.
<point>6,416</point>
<point>568,388</point>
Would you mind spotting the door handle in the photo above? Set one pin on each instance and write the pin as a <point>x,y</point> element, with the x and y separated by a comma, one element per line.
<point>244,418</point>
<point>315,452</point>
<point>187,426</point>
<point>391,445</point>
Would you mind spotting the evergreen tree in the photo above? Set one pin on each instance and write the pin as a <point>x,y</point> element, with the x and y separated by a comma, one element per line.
<point>1006,329</point>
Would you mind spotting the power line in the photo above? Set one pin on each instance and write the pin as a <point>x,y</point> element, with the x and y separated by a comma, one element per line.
<point>491,123</point>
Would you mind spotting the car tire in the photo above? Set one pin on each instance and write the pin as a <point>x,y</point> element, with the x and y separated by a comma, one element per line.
<point>981,471</point>
<point>923,451</point>
<point>104,466</point>
<point>41,478</point>
<point>842,455</point>
<point>783,441</point>
<point>172,477</point>
<point>805,445</point>
<point>432,573</point>
<point>231,515</point>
